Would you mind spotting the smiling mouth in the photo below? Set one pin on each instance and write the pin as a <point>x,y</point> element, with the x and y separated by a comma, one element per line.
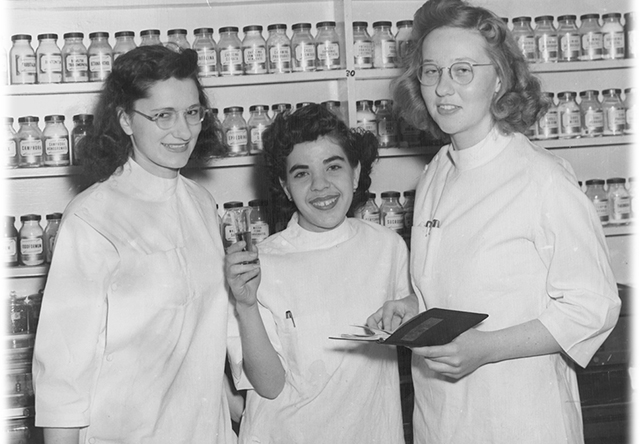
<point>447,108</point>
<point>324,203</point>
<point>176,147</point>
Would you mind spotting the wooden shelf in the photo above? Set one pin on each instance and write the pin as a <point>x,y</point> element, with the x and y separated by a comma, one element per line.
<point>582,142</point>
<point>22,271</point>
<point>619,230</point>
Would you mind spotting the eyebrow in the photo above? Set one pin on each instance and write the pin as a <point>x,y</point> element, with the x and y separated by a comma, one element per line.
<point>328,160</point>
<point>171,108</point>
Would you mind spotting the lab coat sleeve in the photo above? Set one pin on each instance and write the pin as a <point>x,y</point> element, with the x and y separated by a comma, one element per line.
<point>71,331</point>
<point>584,303</point>
<point>234,345</point>
<point>402,278</point>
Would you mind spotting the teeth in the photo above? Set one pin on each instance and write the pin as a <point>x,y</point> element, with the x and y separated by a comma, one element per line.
<point>324,203</point>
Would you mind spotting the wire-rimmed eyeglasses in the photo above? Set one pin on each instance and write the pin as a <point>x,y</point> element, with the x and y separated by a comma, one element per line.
<point>460,72</point>
<point>165,119</point>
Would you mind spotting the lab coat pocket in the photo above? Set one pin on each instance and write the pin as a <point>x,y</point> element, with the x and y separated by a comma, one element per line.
<point>425,246</point>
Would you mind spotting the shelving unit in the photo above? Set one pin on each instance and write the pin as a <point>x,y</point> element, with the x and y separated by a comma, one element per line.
<point>48,189</point>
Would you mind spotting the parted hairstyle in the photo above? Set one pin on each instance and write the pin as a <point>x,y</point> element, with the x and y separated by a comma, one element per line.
<point>133,74</point>
<point>308,124</point>
<point>519,102</point>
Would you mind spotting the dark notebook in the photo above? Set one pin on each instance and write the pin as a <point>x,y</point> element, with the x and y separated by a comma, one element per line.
<point>436,326</point>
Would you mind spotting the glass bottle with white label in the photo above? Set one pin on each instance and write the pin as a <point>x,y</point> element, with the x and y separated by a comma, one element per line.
<point>546,39</point>
<point>257,123</point>
<point>12,142</point>
<point>278,49</point>
<point>75,62</point>
<point>629,111</point>
<point>205,46</point>
<point>369,211</point>
<point>547,126</point>
<point>31,240</point>
<point>404,41</point>
<point>598,196</point>
<point>234,128</point>
<point>100,56</point>
<point>124,43</point>
<point>254,50</point>
<point>23,60</point>
<point>258,220</point>
<point>570,46</point>
<point>149,37</point>
<point>365,117</point>
<point>362,46</point>
<point>304,48</point>
<point>56,141</point>
<point>612,36</point>
<point>327,46</point>
<point>49,59</point>
<point>391,212</point>
<point>227,227</point>
<point>177,39</point>
<point>50,233</point>
<point>591,37</point>
<point>384,46</point>
<point>569,115</point>
<point>592,114</point>
<point>525,38</point>
<point>10,235</point>
<point>614,113</point>
<point>619,201</point>
<point>386,124</point>
<point>30,146</point>
<point>230,52</point>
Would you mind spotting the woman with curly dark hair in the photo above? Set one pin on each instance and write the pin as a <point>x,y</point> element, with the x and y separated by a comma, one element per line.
<point>131,342</point>
<point>324,272</point>
<point>500,227</point>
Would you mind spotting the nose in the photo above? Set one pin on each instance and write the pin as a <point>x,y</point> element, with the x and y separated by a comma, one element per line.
<point>181,129</point>
<point>444,86</point>
<point>319,182</point>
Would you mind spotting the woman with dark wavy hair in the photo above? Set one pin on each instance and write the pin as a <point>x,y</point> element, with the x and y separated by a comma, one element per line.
<point>314,279</point>
<point>500,227</point>
<point>131,341</point>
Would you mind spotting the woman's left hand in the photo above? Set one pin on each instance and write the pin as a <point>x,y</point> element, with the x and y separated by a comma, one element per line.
<point>460,357</point>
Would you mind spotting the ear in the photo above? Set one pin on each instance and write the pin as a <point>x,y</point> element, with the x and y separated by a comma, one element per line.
<point>356,176</point>
<point>498,85</point>
<point>125,122</point>
<point>283,184</point>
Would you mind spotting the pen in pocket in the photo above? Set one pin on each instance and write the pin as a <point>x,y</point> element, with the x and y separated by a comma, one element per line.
<point>289,315</point>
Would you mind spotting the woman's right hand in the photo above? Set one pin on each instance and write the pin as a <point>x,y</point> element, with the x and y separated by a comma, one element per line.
<point>242,277</point>
<point>393,313</point>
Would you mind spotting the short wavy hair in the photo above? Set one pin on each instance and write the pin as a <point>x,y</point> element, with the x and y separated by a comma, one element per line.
<point>108,147</point>
<point>518,104</point>
<point>308,124</point>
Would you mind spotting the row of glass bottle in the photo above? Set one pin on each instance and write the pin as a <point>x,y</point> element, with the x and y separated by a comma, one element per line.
<point>391,213</point>
<point>570,43</point>
<point>31,245</point>
<point>591,118</point>
<point>30,147</point>
<point>614,204</point>
<point>230,56</point>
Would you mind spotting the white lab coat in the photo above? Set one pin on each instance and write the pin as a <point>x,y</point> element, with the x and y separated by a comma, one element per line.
<point>519,240</point>
<point>132,334</point>
<point>335,391</point>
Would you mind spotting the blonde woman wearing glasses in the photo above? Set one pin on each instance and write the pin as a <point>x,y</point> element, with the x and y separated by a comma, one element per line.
<point>500,227</point>
<point>131,343</point>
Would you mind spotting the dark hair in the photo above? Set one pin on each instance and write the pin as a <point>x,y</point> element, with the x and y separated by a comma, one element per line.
<point>519,102</point>
<point>134,73</point>
<point>307,124</point>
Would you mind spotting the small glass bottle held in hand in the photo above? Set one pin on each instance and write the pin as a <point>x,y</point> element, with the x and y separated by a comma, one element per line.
<point>241,218</point>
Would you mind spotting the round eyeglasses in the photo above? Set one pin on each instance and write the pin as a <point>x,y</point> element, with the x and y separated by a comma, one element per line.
<point>460,72</point>
<point>167,118</point>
